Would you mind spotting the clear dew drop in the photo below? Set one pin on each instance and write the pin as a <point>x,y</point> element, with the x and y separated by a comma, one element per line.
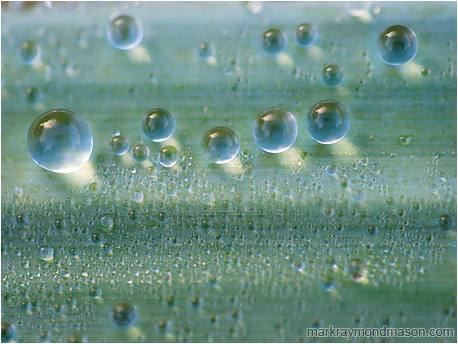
<point>405,140</point>
<point>397,45</point>
<point>106,223</point>
<point>32,95</point>
<point>158,125</point>
<point>445,222</point>
<point>140,152</point>
<point>273,42</point>
<point>119,145</point>
<point>8,332</point>
<point>425,71</point>
<point>220,145</point>
<point>46,254</point>
<point>332,75</point>
<point>95,293</point>
<point>207,50</point>
<point>328,121</point>
<point>168,156</point>
<point>275,130</point>
<point>137,196</point>
<point>331,170</point>
<point>375,169</point>
<point>125,32</point>
<point>306,35</point>
<point>29,52</point>
<point>124,315</point>
<point>60,141</point>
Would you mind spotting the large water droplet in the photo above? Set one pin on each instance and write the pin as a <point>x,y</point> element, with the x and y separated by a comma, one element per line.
<point>306,35</point>
<point>60,141</point>
<point>397,45</point>
<point>158,125</point>
<point>273,42</point>
<point>275,130</point>
<point>328,121</point>
<point>220,145</point>
<point>125,32</point>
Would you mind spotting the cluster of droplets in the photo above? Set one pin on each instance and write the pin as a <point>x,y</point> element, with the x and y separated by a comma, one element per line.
<point>274,131</point>
<point>274,41</point>
<point>238,214</point>
<point>158,125</point>
<point>230,216</point>
<point>396,44</point>
<point>246,224</point>
<point>58,135</point>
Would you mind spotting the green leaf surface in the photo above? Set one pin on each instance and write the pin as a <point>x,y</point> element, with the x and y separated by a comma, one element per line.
<point>256,250</point>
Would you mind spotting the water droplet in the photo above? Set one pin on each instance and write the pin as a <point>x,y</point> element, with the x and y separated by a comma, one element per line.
<point>306,35</point>
<point>95,293</point>
<point>375,169</point>
<point>124,315</point>
<point>220,145</point>
<point>425,71</point>
<point>140,152</point>
<point>21,219</point>
<point>133,215</point>
<point>8,332</point>
<point>44,336</point>
<point>97,238</point>
<point>106,223</point>
<point>273,42</point>
<point>445,222</point>
<point>168,156</point>
<point>275,130</point>
<point>59,224</point>
<point>151,171</point>
<point>125,32</point>
<point>332,75</point>
<point>32,95</point>
<point>94,187</point>
<point>405,140</point>
<point>46,254</point>
<point>195,302</point>
<point>29,52</point>
<point>158,125</point>
<point>60,141</point>
<point>328,284</point>
<point>328,121</point>
<point>397,45</point>
<point>162,218</point>
<point>358,271</point>
<point>331,170</point>
<point>119,145</point>
<point>137,196</point>
<point>207,50</point>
